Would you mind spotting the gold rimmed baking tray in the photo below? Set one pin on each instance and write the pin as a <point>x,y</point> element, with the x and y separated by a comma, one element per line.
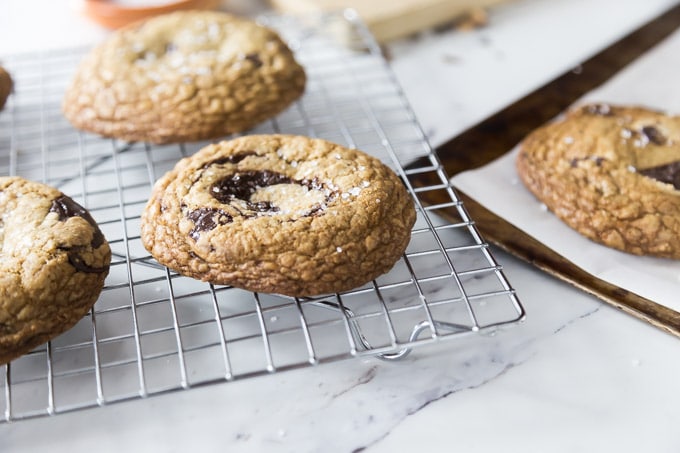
<point>499,133</point>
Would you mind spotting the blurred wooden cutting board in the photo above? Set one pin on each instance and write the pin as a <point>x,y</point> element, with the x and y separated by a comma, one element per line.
<point>390,19</point>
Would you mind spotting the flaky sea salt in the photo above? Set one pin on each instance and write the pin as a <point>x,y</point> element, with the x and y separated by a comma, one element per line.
<point>176,60</point>
<point>213,30</point>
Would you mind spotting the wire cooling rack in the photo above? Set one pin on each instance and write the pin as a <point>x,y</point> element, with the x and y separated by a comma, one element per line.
<point>153,331</point>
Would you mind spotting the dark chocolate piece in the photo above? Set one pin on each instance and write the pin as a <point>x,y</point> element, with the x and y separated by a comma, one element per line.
<point>243,185</point>
<point>255,59</point>
<point>597,159</point>
<point>654,135</point>
<point>76,260</point>
<point>235,159</point>
<point>65,208</point>
<point>669,173</point>
<point>206,219</point>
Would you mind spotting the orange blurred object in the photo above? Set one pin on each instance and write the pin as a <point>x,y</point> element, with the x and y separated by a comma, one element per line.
<point>112,14</point>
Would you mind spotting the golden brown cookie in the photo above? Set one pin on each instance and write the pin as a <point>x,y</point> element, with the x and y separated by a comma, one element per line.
<point>5,86</point>
<point>184,76</point>
<point>53,262</point>
<point>612,173</point>
<point>277,213</point>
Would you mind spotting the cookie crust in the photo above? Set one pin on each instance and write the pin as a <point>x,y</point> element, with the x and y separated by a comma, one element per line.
<point>280,214</point>
<point>184,76</point>
<point>612,173</point>
<point>53,263</point>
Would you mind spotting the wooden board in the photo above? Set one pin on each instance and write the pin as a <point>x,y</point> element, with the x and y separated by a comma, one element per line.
<point>390,19</point>
<point>498,134</point>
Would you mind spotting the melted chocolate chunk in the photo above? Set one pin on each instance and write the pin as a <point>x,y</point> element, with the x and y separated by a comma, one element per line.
<point>243,185</point>
<point>206,219</point>
<point>654,135</point>
<point>263,206</point>
<point>316,210</point>
<point>597,159</point>
<point>669,173</point>
<point>194,256</point>
<point>66,208</point>
<point>313,184</point>
<point>77,261</point>
<point>6,328</point>
<point>235,159</point>
<point>254,58</point>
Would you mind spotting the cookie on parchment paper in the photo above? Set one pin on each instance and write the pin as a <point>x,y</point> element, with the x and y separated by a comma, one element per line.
<point>280,214</point>
<point>612,173</point>
<point>183,76</point>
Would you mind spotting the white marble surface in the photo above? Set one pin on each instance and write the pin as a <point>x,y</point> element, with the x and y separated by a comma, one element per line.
<point>576,376</point>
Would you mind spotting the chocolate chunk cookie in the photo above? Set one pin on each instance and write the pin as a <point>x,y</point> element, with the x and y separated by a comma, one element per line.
<point>612,173</point>
<point>5,86</point>
<point>184,76</point>
<point>53,262</point>
<point>277,213</point>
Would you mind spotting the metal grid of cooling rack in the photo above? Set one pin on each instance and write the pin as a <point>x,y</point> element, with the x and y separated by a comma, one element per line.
<point>153,331</point>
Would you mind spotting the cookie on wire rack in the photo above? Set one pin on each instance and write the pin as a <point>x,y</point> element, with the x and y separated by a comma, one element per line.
<point>280,214</point>
<point>183,76</point>
<point>53,263</point>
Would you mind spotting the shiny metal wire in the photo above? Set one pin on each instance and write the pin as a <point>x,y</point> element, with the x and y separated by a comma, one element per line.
<point>153,331</point>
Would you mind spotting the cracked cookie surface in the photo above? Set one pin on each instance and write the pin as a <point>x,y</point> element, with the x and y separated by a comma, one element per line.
<point>5,86</point>
<point>612,173</point>
<point>280,214</point>
<point>184,76</point>
<point>53,263</point>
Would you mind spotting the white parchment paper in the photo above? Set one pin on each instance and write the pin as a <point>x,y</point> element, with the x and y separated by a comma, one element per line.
<point>654,81</point>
